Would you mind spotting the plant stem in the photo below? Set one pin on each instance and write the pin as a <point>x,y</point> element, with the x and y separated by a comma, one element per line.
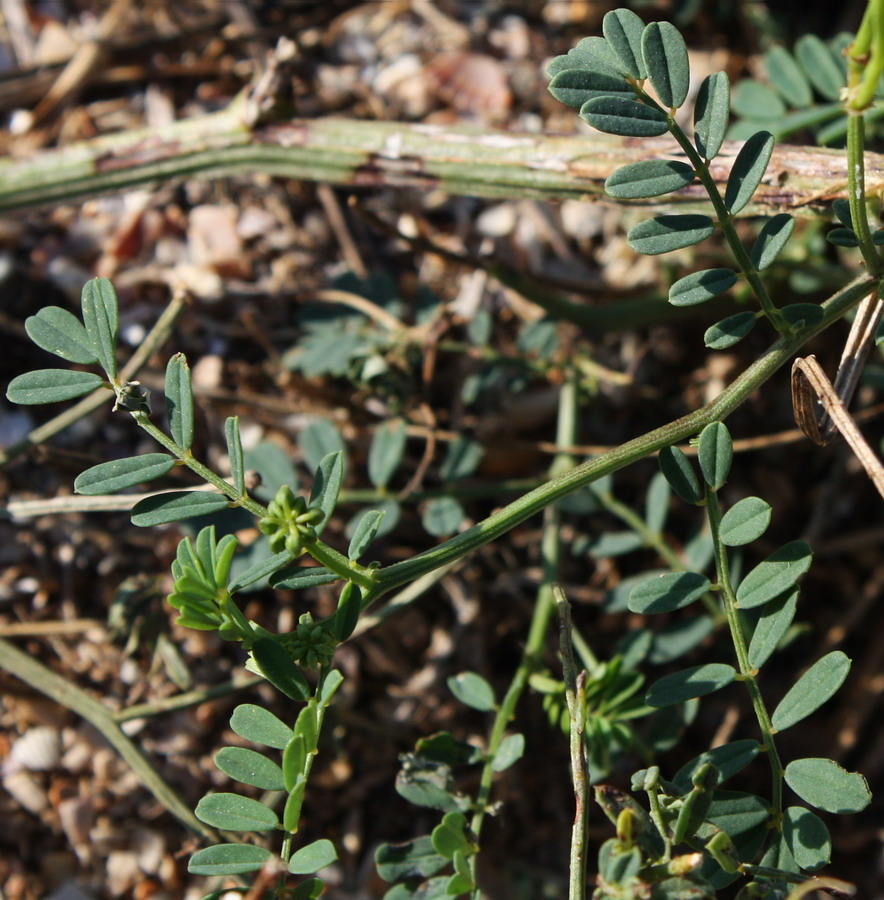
<point>575,694</point>
<point>731,608</point>
<point>544,607</point>
<point>856,190</point>
<point>534,501</point>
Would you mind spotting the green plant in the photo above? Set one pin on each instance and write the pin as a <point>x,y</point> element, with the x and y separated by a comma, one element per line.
<point>606,78</point>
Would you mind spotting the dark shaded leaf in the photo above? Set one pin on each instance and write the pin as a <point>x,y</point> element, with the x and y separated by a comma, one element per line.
<point>729,331</point>
<point>680,474</point>
<point>364,533</point>
<point>327,482</point>
<point>771,239</point>
<point>728,759</point>
<point>665,233</point>
<point>689,683</point>
<point>698,287</point>
<point>279,668</point>
<point>800,314</point>
<point>649,178</point>
<point>748,170</point>
<point>711,114</point>
<point>413,859</point>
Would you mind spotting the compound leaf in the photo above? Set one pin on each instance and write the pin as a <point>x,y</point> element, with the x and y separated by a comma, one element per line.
<point>260,726</point>
<point>716,453</point>
<point>680,474</point>
<point>313,857</point>
<point>666,60</point>
<point>622,29</point>
<point>744,522</point>
<point>249,767</point>
<point>624,116</point>
<point>60,332</point>
<point>472,690</point>
<point>119,474</point>
<point>780,571</point>
<point>771,239</point>
<point>812,690</point>
<point>711,114</point>
<point>649,178</point>
<point>774,622</point>
<point>228,859</point>
<point>807,837</point>
<point>51,386</point>
<point>748,170</point>
<point>729,331</point>
<point>698,287</point>
<point>689,683</point>
<point>101,318</point>
<point>824,784</point>
<point>665,593</point>
<point>665,233</point>
<point>235,813</point>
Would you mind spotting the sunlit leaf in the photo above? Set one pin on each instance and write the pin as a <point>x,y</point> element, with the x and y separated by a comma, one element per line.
<point>472,690</point>
<point>179,401</point>
<point>592,54</point>
<point>716,453</point>
<point>779,572</point>
<point>235,453</point>
<point>119,474</point>
<point>228,859</point>
<point>235,813</point>
<point>162,509</point>
<point>327,482</point>
<point>511,748</point>
<point>574,87</point>
<point>101,318</point>
<point>744,522</point>
<point>261,569</point>
<point>623,116</point>
<point>319,439</point>
<point>689,683</point>
<point>824,784</point>
<point>60,332</point>
<point>249,767</point>
<point>622,29</point>
<point>666,593</point>
<point>313,857</point>
<point>666,60</point>
<point>260,726</point>
<point>442,516</point>
<point>51,386</point>
<point>812,690</point>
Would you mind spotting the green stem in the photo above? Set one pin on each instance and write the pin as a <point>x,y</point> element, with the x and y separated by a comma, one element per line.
<point>726,220</point>
<point>534,501</point>
<point>856,190</point>
<point>865,58</point>
<point>339,564</point>
<point>544,608</point>
<point>731,608</point>
<point>575,694</point>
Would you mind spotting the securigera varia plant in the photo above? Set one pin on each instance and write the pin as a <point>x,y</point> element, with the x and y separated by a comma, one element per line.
<point>694,837</point>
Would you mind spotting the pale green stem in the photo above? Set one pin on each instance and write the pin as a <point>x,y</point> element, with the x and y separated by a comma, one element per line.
<point>575,694</point>
<point>731,608</point>
<point>856,190</point>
